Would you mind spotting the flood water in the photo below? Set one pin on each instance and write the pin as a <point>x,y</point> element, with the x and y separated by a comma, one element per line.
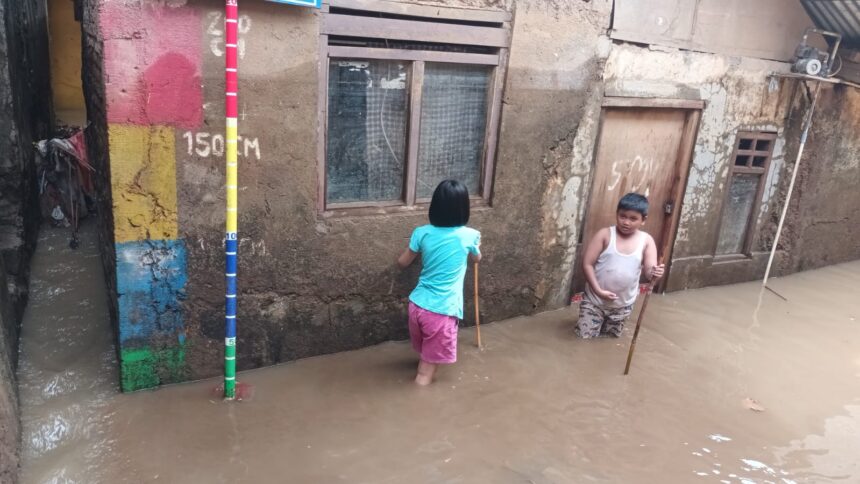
<point>535,406</point>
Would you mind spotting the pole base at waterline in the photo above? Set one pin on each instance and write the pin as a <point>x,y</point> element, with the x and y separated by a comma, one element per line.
<point>244,391</point>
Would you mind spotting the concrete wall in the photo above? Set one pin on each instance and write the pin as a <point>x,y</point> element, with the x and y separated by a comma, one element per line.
<point>312,284</point>
<point>737,96</point>
<point>823,226</point>
<point>94,79</point>
<point>10,424</point>
<point>763,29</point>
<point>25,116</point>
<point>304,289</point>
<point>65,49</point>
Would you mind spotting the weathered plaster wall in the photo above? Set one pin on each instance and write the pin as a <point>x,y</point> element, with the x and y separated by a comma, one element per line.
<point>312,284</point>
<point>308,284</point>
<point>150,80</point>
<point>10,424</point>
<point>97,142</point>
<point>25,116</point>
<point>823,226</point>
<point>579,54</point>
<point>65,49</point>
<point>738,96</point>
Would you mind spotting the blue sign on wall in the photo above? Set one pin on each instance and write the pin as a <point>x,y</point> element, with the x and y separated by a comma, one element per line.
<point>302,3</point>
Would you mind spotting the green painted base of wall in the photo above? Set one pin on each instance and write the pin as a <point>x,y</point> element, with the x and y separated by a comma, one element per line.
<point>146,368</point>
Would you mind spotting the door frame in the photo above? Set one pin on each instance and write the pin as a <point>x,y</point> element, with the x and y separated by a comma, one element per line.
<point>683,161</point>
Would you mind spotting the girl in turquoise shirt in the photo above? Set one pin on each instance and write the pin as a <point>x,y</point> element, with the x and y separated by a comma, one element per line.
<point>436,304</point>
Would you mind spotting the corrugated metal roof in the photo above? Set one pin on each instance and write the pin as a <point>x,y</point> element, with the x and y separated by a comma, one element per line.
<point>840,16</point>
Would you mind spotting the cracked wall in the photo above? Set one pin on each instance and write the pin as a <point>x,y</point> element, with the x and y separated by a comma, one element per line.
<point>312,284</point>
<point>308,284</point>
<point>151,87</point>
<point>823,223</point>
<point>25,117</point>
<point>738,96</point>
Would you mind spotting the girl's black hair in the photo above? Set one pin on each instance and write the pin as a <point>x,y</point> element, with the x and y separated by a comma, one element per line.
<point>635,202</point>
<point>450,205</point>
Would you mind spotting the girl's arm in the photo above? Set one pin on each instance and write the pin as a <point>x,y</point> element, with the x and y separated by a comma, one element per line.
<point>406,258</point>
<point>475,255</point>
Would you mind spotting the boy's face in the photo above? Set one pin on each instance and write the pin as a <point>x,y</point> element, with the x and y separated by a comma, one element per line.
<point>628,221</point>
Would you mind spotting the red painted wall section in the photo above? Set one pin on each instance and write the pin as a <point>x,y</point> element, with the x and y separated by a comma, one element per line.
<point>153,57</point>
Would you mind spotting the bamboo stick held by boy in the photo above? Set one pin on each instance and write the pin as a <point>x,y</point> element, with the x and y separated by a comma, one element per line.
<point>613,263</point>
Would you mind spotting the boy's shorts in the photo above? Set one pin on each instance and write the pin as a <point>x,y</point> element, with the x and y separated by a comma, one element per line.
<point>433,335</point>
<point>595,321</point>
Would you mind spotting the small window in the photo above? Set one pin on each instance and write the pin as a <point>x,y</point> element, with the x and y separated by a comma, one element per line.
<point>750,163</point>
<point>402,114</point>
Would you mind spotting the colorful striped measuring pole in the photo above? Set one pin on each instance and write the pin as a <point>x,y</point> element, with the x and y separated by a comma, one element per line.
<point>231,27</point>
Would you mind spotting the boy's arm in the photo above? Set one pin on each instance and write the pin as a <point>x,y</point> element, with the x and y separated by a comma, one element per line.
<point>652,269</point>
<point>592,252</point>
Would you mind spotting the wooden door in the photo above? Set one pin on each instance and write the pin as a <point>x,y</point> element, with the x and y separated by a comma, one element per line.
<point>645,150</point>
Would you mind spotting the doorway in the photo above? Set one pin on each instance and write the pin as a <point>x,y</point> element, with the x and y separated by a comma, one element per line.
<point>644,146</point>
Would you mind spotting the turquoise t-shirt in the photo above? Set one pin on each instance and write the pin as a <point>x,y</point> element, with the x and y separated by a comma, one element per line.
<point>444,256</point>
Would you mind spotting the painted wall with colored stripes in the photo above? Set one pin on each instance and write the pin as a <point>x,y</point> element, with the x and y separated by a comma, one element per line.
<point>152,70</point>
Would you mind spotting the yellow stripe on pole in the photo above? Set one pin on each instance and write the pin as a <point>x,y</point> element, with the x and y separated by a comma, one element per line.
<point>232,132</point>
<point>231,151</point>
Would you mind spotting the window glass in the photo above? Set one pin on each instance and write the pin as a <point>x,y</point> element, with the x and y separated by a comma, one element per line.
<point>453,125</point>
<point>367,130</point>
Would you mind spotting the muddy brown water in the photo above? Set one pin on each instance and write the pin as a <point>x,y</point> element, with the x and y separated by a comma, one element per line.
<point>535,406</point>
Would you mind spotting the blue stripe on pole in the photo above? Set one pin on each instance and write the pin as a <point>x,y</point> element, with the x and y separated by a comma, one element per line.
<point>231,247</point>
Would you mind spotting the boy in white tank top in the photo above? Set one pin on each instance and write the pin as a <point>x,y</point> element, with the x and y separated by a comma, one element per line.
<point>613,264</point>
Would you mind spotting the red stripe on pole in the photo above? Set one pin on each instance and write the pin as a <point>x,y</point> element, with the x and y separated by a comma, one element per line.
<point>232,59</point>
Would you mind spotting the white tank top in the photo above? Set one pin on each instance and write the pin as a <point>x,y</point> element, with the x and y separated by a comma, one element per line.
<point>618,273</point>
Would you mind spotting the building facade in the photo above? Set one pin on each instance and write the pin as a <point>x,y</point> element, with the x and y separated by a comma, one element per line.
<point>350,115</point>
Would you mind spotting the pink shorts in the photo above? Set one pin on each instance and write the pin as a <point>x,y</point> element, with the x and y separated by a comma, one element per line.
<point>433,335</point>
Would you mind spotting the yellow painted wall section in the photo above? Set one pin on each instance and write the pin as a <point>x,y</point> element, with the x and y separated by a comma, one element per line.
<point>65,56</point>
<point>143,182</point>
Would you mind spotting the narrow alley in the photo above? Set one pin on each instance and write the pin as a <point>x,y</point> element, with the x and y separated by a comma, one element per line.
<point>536,405</point>
<point>67,363</point>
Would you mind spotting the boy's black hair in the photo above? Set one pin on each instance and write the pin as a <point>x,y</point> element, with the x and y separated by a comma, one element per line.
<point>450,205</point>
<point>635,202</point>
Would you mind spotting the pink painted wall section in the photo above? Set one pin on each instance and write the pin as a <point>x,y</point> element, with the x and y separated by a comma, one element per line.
<point>153,57</point>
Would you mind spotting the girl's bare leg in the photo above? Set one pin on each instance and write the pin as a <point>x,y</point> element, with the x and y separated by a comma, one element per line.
<point>425,373</point>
